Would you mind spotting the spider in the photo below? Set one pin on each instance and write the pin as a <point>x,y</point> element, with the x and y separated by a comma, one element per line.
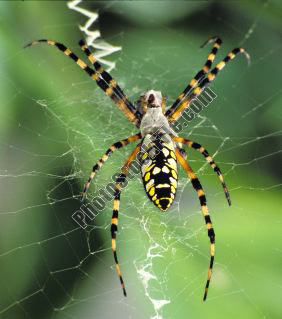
<point>159,172</point>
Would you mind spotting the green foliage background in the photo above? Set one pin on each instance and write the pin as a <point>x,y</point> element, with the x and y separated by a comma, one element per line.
<point>55,124</point>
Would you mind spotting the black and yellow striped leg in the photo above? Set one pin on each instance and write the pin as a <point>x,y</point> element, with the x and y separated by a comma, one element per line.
<point>105,157</point>
<point>108,78</point>
<point>210,77</point>
<point>193,83</point>
<point>181,150</point>
<point>209,159</point>
<point>198,188</point>
<point>114,226</point>
<point>95,75</point>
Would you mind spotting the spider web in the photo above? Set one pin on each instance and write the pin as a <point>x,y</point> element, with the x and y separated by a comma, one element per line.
<point>55,130</point>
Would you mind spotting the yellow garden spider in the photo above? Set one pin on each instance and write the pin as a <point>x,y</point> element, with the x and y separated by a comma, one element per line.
<point>159,172</point>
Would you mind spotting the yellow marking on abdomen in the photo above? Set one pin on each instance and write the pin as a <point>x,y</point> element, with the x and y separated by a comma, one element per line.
<point>165,152</point>
<point>149,184</point>
<point>162,186</point>
<point>172,154</point>
<point>172,163</point>
<point>169,145</point>
<point>149,168</point>
<point>173,173</point>
<point>165,169</point>
<point>152,191</point>
<point>144,156</point>
<point>147,177</point>
<point>173,182</point>
<point>156,170</point>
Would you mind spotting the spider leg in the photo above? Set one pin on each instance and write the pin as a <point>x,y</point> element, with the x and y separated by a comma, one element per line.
<point>210,77</point>
<point>209,159</point>
<point>108,79</point>
<point>217,43</point>
<point>105,157</point>
<point>198,188</point>
<point>181,149</point>
<point>110,91</point>
<point>114,227</point>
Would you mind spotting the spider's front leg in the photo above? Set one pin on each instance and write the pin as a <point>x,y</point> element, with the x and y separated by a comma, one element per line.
<point>102,78</point>
<point>184,100</point>
<point>105,157</point>
<point>199,76</point>
<point>113,87</point>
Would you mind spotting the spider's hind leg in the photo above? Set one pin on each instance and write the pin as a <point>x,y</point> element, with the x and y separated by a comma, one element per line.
<point>203,202</point>
<point>114,227</point>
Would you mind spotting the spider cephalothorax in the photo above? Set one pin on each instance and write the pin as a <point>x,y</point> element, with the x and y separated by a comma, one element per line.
<point>153,118</point>
<point>161,144</point>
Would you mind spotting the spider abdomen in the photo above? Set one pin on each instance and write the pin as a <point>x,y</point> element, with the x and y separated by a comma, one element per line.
<point>159,170</point>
